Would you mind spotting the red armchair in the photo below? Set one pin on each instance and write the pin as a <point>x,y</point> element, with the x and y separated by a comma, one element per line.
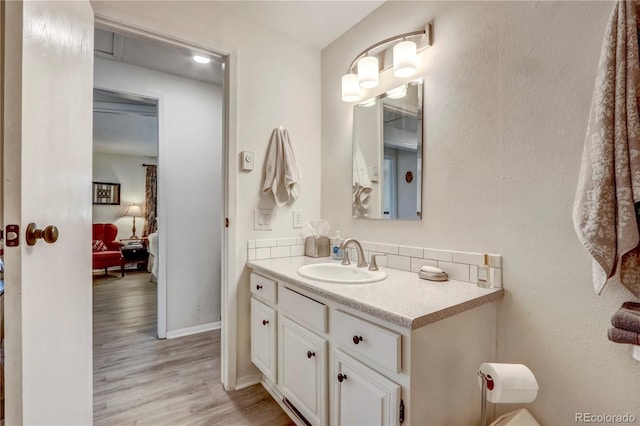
<point>108,253</point>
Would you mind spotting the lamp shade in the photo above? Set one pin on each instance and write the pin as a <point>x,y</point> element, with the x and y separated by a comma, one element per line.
<point>405,58</point>
<point>368,72</point>
<point>134,210</point>
<point>350,88</point>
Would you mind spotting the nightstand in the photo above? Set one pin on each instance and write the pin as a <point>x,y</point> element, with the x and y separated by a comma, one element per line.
<point>135,255</point>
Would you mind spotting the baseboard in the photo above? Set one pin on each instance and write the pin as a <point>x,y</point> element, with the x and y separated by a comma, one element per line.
<point>193,330</point>
<point>250,380</point>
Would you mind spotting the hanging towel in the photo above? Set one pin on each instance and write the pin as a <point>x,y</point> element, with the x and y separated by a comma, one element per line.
<point>604,214</point>
<point>362,188</point>
<point>281,174</point>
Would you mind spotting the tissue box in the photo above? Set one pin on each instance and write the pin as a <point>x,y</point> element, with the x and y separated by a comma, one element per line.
<point>319,246</point>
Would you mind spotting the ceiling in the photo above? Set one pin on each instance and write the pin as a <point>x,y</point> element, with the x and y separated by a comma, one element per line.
<point>317,23</point>
<point>124,125</point>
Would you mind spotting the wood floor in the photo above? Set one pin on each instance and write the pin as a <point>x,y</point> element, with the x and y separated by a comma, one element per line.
<point>139,379</point>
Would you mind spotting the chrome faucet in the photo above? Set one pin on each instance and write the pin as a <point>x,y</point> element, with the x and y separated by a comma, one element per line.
<point>345,259</point>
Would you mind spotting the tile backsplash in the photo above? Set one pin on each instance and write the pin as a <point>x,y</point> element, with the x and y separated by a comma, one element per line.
<point>460,265</point>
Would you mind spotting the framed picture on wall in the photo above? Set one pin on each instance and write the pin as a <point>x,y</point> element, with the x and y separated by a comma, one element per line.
<point>106,193</point>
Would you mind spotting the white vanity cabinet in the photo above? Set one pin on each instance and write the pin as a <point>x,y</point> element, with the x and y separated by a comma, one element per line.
<point>339,364</point>
<point>361,395</point>
<point>264,344</point>
<point>302,370</point>
<point>263,338</point>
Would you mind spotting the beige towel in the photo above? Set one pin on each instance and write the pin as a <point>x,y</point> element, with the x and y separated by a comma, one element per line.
<point>281,174</point>
<point>604,215</point>
<point>361,184</point>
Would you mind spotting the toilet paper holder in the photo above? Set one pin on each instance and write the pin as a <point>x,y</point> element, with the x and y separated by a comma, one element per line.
<point>507,383</point>
<point>487,383</point>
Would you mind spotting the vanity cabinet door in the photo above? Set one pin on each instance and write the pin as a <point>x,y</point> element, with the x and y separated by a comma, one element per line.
<point>361,395</point>
<point>263,338</point>
<point>302,369</point>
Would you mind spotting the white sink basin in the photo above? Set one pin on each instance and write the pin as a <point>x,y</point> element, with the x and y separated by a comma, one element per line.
<point>343,274</point>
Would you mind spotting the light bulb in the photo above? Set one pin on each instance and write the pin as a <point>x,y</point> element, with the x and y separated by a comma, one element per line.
<point>350,88</point>
<point>405,57</point>
<point>201,59</point>
<point>368,72</point>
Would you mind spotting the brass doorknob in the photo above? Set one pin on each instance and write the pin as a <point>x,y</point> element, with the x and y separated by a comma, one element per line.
<point>49,234</point>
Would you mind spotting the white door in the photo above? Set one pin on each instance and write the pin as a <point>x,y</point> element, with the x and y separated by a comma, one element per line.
<point>302,371</point>
<point>362,396</point>
<point>48,77</point>
<point>263,338</point>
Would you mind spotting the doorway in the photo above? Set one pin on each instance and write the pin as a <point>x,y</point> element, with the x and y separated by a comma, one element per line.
<point>191,162</point>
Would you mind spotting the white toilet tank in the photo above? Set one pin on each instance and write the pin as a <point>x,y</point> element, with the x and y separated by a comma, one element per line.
<point>520,417</point>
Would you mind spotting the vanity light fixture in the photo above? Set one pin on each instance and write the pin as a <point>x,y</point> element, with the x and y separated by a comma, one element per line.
<point>364,71</point>
<point>405,59</point>
<point>201,59</point>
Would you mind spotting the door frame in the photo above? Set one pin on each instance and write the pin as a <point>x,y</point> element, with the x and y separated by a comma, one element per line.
<point>228,56</point>
<point>161,209</point>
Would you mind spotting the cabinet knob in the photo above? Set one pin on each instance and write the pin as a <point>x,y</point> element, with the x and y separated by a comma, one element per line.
<point>258,287</point>
<point>265,322</point>
<point>310,354</point>
<point>342,377</point>
<point>357,339</point>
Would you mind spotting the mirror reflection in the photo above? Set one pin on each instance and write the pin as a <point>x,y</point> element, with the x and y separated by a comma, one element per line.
<point>387,155</point>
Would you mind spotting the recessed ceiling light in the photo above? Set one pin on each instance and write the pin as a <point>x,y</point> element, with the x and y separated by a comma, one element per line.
<point>201,59</point>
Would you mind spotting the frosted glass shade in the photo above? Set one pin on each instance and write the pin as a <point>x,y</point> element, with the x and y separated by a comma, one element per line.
<point>350,88</point>
<point>368,72</point>
<point>405,58</point>
<point>398,92</point>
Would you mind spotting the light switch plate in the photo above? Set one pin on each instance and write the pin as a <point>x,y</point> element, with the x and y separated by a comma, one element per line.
<point>297,218</point>
<point>246,158</point>
<point>263,219</point>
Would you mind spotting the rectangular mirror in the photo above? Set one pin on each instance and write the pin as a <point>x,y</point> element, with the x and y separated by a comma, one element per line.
<point>387,155</point>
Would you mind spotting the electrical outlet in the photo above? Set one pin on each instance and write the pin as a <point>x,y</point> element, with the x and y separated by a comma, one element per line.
<point>297,218</point>
<point>262,219</point>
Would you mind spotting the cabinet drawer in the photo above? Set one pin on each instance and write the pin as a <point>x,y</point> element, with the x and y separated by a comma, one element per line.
<point>303,309</point>
<point>263,287</point>
<point>368,340</point>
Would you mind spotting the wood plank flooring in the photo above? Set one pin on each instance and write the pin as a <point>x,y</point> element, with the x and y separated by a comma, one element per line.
<point>139,379</point>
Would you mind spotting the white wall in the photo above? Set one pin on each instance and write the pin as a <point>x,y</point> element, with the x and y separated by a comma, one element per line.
<point>507,93</point>
<point>190,165</point>
<point>126,170</point>
<point>277,82</point>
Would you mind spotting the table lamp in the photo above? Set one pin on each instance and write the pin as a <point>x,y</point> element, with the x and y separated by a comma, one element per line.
<point>133,211</point>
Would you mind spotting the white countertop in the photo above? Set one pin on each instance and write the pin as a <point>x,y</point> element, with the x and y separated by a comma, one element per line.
<point>402,298</point>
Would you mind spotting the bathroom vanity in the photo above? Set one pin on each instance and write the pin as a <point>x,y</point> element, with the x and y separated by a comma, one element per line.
<point>398,351</point>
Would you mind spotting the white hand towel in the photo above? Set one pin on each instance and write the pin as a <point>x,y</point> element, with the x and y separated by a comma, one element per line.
<point>361,189</point>
<point>604,214</point>
<point>281,174</point>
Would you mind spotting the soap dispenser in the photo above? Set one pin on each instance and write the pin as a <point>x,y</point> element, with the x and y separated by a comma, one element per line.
<point>336,251</point>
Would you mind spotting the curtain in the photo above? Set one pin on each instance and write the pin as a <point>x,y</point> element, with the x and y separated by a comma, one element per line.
<point>151,201</point>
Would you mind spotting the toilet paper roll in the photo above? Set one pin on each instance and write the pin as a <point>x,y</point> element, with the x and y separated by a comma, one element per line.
<point>512,383</point>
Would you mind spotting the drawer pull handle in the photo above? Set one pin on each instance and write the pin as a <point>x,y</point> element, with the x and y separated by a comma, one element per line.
<point>310,354</point>
<point>265,322</point>
<point>342,377</point>
<point>357,339</point>
<point>258,287</point>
